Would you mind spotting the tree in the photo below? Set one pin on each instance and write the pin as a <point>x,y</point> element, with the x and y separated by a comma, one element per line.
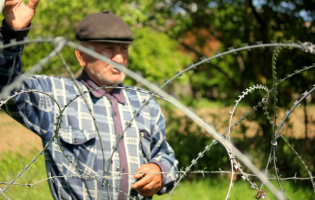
<point>233,23</point>
<point>153,54</point>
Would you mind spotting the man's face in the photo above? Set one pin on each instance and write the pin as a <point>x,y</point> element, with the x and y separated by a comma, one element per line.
<point>100,72</point>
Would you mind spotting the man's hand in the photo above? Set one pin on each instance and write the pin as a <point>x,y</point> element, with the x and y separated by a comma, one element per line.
<point>150,182</point>
<point>17,15</point>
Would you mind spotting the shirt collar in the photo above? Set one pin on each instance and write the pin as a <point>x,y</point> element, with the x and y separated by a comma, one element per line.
<point>89,83</point>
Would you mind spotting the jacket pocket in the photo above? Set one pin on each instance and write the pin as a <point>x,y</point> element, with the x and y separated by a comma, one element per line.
<point>145,145</point>
<point>79,152</point>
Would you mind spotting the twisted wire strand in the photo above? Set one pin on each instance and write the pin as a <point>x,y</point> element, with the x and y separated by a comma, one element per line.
<point>201,172</point>
<point>274,126</point>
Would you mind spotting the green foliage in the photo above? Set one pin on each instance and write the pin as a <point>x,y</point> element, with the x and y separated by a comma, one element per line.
<point>188,140</point>
<point>156,57</point>
<point>13,163</point>
<point>216,189</point>
<point>153,54</point>
<point>233,23</point>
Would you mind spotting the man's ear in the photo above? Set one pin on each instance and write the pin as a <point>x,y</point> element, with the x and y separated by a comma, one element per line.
<point>80,58</point>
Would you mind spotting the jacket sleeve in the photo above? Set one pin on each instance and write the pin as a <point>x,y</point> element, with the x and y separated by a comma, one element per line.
<point>29,108</point>
<point>10,58</point>
<point>161,152</point>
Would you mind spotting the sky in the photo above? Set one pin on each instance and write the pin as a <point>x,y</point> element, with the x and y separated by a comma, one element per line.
<point>1,3</point>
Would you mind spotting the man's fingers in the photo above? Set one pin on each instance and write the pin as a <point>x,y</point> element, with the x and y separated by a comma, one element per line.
<point>17,15</point>
<point>33,4</point>
<point>142,182</point>
<point>8,1</point>
<point>146,188</point>
<point>139,175</point>
<point>150,182</point>
<point>7,9</point>
<point>8,5</point>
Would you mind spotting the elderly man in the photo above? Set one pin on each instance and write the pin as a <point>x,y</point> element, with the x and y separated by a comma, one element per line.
<point>74,161</point>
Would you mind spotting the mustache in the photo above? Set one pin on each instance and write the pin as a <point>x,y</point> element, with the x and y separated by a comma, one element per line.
<point>123,65</point>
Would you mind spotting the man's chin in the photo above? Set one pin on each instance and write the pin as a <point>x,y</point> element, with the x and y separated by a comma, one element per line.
<point>112,83</point>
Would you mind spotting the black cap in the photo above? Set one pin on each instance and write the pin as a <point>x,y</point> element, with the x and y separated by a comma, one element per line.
<point>104,27</point>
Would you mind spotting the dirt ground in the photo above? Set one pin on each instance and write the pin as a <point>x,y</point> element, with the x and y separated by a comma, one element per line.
<point>15,137</point>
<point>294,126</point>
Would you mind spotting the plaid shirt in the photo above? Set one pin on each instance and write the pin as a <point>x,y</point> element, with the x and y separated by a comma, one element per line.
<point>143,142</point>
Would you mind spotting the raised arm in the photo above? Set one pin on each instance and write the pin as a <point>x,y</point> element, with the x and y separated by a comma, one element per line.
<point>16,25</point>
<point>30,109</point>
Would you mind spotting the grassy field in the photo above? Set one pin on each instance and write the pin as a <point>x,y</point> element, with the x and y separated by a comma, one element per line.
<point>217,189</point>
<point>18,147</point>
<point>203,189</point>
<point>13,163</point>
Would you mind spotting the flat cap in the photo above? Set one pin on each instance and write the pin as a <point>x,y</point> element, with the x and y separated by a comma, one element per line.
<point>104,27</point>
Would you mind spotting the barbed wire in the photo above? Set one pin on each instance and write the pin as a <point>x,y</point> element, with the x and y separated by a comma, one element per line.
<point>201,172</point>
<point>232,151</point>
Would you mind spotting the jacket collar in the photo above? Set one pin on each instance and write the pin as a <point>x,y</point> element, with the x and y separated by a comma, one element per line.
<point>89,83</point>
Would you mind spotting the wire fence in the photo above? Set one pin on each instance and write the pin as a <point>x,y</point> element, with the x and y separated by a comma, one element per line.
<point>235,156</point>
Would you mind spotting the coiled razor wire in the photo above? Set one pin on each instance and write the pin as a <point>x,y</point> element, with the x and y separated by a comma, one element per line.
<point>155,91</point>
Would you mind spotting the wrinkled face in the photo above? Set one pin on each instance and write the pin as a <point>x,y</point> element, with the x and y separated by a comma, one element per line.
<point>101,72</point>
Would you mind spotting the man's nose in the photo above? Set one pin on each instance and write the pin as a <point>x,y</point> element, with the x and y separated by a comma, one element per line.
<point>118,58</point>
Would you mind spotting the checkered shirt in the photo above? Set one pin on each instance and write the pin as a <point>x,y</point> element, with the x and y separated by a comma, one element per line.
<point>73,158</point>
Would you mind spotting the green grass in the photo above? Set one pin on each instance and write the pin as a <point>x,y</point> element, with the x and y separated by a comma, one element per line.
<point>204,189</point>
<point>217,189</point>
<point>12,164</point>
